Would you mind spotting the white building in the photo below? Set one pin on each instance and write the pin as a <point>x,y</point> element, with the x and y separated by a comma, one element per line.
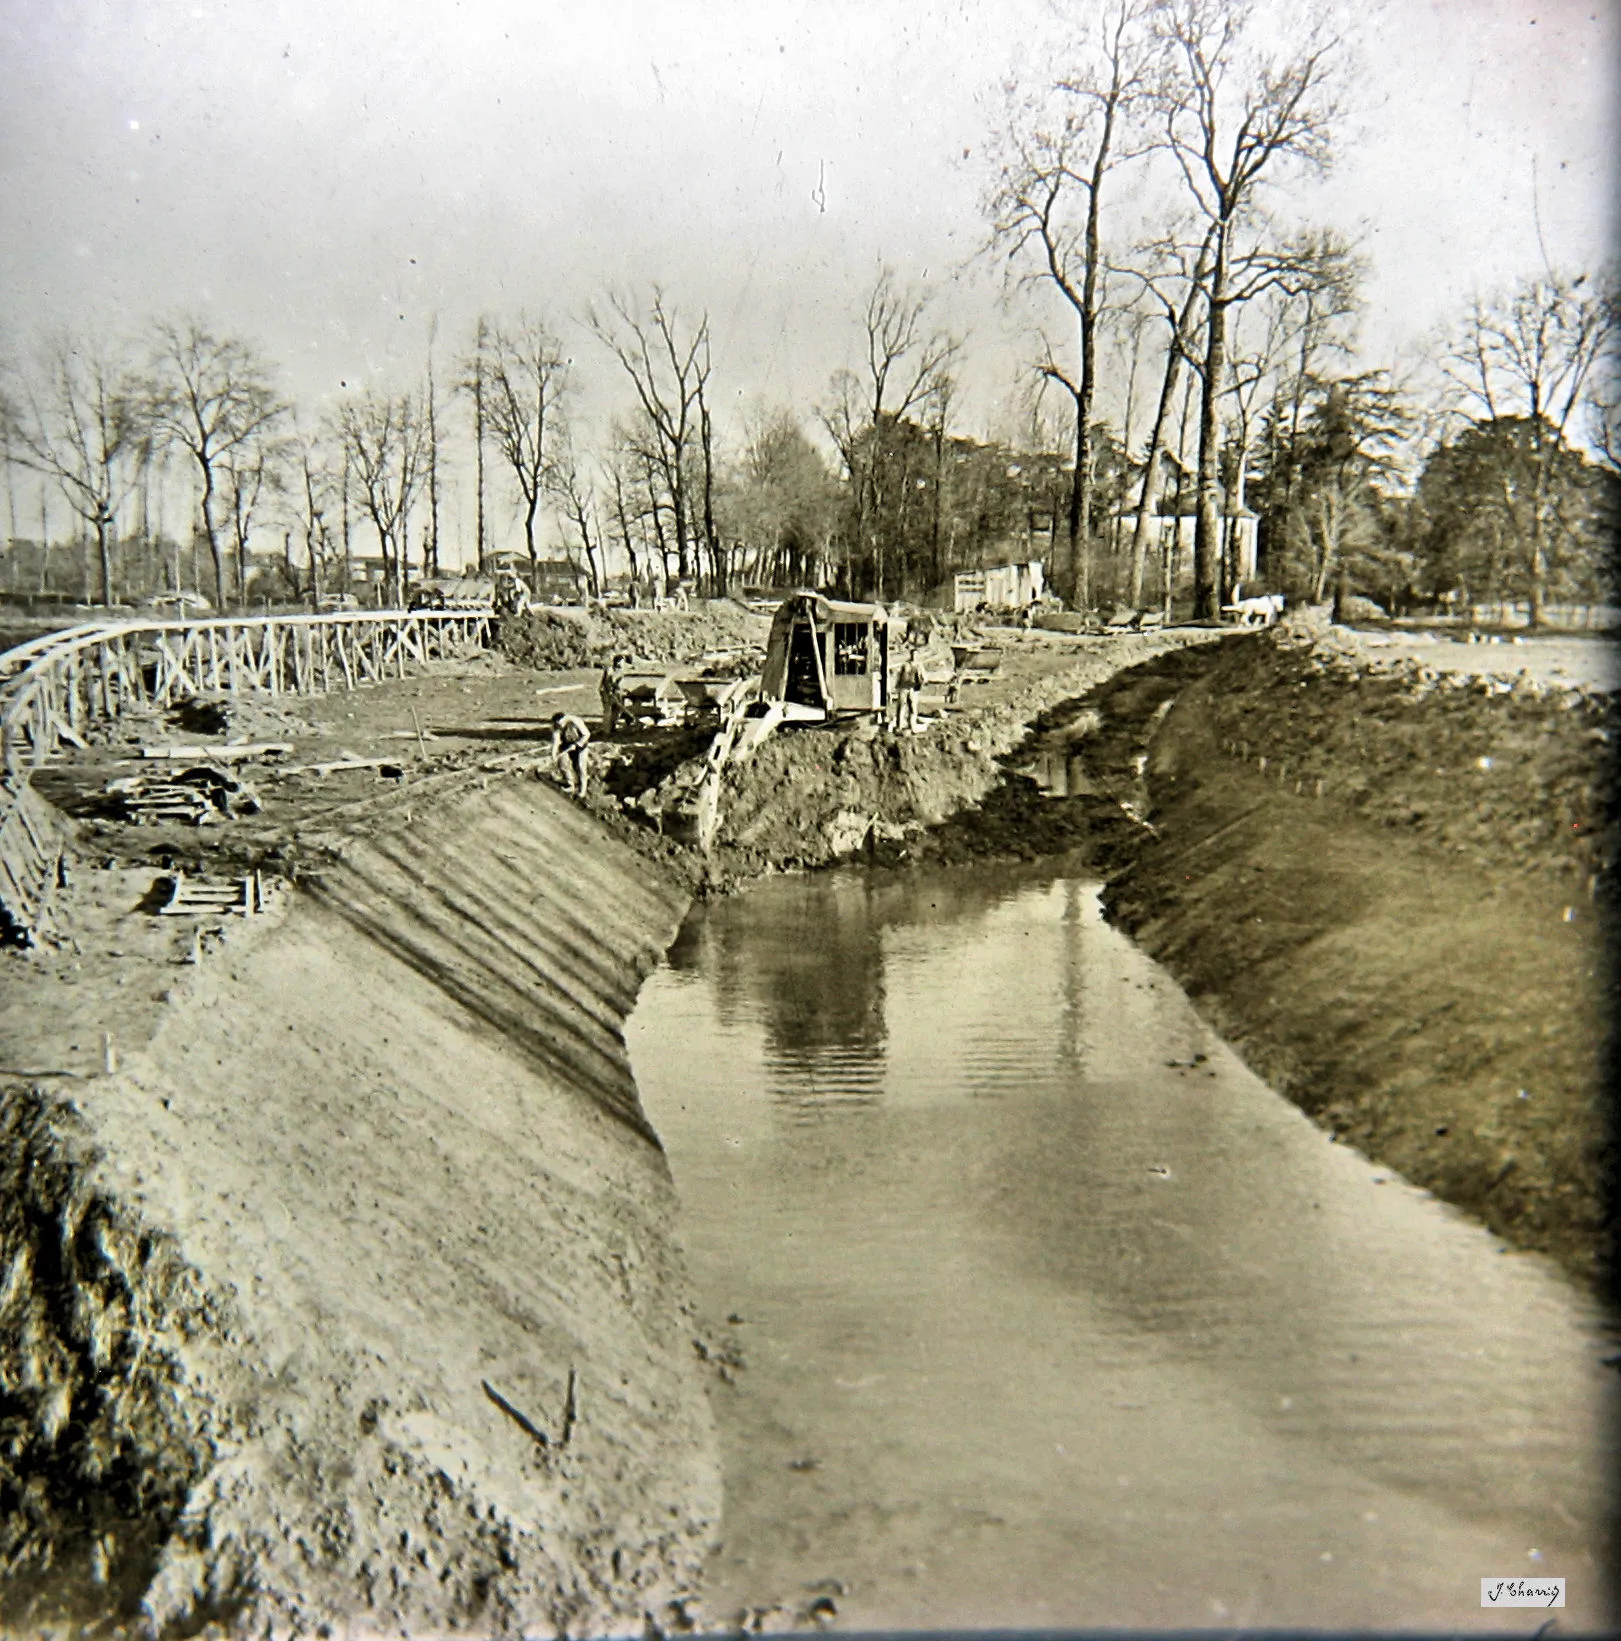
<point>1005,587</point>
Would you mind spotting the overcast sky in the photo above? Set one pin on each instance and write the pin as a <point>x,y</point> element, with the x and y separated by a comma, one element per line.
<point>328,175</point>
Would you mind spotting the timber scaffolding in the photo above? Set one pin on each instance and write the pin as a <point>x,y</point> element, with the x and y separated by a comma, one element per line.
<point>54,690</point>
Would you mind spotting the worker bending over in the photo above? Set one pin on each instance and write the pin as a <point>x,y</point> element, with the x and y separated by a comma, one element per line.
<point>571,741</point>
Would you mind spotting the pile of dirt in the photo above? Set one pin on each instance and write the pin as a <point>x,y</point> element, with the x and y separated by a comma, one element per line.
<point>812,796</point>
<point>1387,887</point>
<point>209,718</point>
<point>351,1299</point>
<point>680,635</point>
<point>1502,769</point>
<point>545,640</point>
<point>1102,737</point>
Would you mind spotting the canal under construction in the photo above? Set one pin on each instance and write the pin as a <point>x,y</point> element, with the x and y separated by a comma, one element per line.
<point>1153,1178</point>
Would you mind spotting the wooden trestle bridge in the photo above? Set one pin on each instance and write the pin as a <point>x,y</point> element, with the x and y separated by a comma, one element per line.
<point>55,690</point>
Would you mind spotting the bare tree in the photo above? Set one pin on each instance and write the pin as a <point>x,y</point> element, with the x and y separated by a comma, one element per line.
<point>79,420</point>
<point>622,483</point>
<point>431,402</point>
<point>669,366</point>
<point>1236,115</point>
<point>472,382</point>
<point>639,446</point>
<point>385,445</point>
<point>313,497</point>
<point>1175,285</point>
<point>249,475</point>
<point>906,363</point>
<point>1057,154</point>
<point>577,501</point>
<point>521,375</point>
<point>1536,353</point>
<point>780,501</point>
<point>212,396</point>
<point>1293,323</point>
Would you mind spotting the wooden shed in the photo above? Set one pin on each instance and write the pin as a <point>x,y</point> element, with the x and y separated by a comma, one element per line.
<point>828,655</point>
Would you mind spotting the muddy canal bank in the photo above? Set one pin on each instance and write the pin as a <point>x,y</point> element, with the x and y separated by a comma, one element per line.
<point>1386,880</point>
<point>341,1283</point>
<point>1031,1303</point>
<point>342,1275</point>
<point>1388,886</point>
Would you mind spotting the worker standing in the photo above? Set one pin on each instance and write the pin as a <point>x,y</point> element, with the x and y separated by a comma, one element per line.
<point>511,596</point>
<point>908,687</point>
<point>571,742</point>
<point>608,691</point>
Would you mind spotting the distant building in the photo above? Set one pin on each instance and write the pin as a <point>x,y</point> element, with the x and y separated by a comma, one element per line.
<point>1003,587</point>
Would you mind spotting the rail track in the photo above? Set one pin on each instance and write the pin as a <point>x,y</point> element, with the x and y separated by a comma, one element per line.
<point>55,691</point>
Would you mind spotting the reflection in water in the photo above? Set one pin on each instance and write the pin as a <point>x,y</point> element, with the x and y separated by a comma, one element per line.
<point>1071,1311</point>
<point>813,978</point>
<point>1061,773</point>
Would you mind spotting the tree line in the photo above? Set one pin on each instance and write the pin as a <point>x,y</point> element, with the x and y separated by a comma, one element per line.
<point>1145,193</point>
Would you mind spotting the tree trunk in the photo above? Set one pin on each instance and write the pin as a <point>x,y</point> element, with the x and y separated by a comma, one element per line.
<point>592,572</point>
<point>937,569</point>
<point>1535,587</point>
<point>431,566</point>
<point>1325,556</point>
<point>1083,447</point>
<point>531,502</point>
<point>478,439</point>
<point>211,535</point>
<point>717,566</point>
<point>1207,524</point>
<point>1148,501</point>
<point>624,524</point>
<point>105,552</point>
<point>1075,587</point>
<point>678,506</point>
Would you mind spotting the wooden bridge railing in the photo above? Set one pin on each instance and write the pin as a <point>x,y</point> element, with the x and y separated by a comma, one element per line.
<point>56,689</point>
<point>72,679</point>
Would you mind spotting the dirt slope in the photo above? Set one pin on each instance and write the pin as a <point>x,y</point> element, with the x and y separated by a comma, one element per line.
<point>353,1298</point>
<point>810,796</point>
<point>1387,886</point>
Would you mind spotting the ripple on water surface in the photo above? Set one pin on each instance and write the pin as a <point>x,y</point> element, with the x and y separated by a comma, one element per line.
<point>1055,1314</point>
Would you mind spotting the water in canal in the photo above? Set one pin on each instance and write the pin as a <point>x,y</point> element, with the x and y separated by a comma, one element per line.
<point>1052,1314</point>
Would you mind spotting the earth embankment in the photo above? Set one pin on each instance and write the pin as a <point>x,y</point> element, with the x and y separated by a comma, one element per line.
<point>1386,884</point>
<point>353,1297</point>
<point>810,797</point>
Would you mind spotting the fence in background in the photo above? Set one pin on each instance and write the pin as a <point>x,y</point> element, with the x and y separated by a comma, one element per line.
<point>56,690</point>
